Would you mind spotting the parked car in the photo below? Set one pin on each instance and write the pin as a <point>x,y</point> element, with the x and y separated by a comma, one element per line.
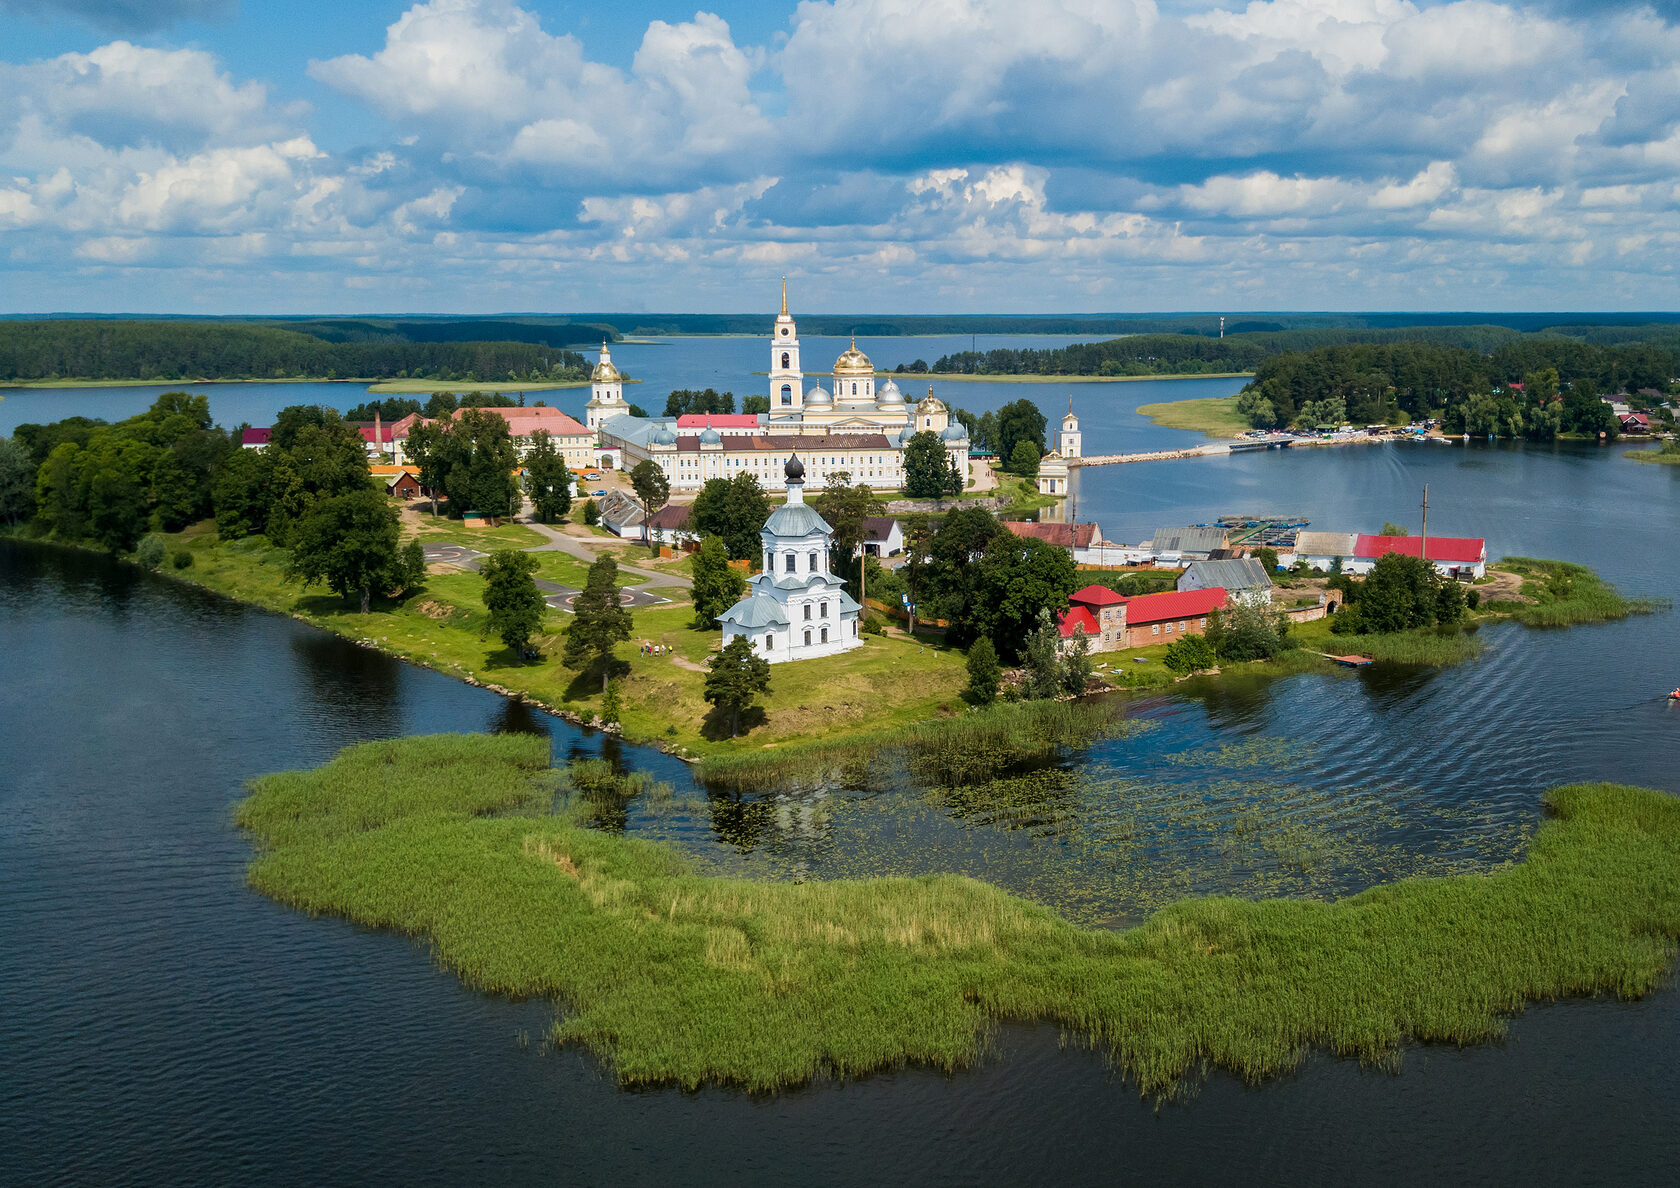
<point>593,476</point>
<point>600,492</point>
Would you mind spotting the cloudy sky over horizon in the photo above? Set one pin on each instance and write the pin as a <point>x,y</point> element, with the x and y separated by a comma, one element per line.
<point>478,156</point>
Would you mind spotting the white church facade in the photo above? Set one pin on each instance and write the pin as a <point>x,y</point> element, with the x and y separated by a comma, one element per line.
<point>1053,467</point>
<point>852,425</point>
<point>796,608</point>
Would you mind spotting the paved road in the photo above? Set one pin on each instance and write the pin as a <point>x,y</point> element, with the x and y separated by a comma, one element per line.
<point>558,596</point>
<point>559,542</point>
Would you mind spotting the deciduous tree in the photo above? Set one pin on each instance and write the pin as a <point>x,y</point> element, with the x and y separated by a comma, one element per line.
<point>984,672</point>
<point>647,479</point>
<point>717,587</point>
<point>511,596</point>
<point>550,482</point>
<point>353,544</point>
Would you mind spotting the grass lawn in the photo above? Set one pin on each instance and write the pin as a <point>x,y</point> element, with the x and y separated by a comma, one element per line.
<point>887,682</point>
<point>1216,416</point>
<point>428,529</point>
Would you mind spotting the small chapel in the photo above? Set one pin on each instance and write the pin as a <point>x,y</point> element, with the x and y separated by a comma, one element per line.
<point>795,608</point>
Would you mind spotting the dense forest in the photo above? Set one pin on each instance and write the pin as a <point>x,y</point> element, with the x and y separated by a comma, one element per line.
<point>1531,388</point>
<point>1194,354</point>
<point>201,350</point>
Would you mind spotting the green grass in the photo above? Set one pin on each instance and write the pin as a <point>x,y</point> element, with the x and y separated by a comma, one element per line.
<point>442,530</point>
<point>1216,416</point>
<point>887,684</point>
<point>973,746</point>
<point>1667,455</point>
<point>674,978</point>
<point>1565,594</point>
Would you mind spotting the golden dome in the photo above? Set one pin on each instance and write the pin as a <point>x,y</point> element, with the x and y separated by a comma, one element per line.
<point>605,372</point>
<point>854,362</point>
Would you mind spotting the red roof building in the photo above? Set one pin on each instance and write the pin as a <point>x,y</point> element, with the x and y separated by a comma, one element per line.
<point>1077,619</point>
<point>1097,596</point>
<point>722,422</point>
<point>1162,618</point>
<point>255,439</point>
<point>1451,555</point>
<point>1068,536</point>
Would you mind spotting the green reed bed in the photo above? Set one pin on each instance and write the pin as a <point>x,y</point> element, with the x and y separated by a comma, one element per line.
<point>671,977</point>
<point>957,750</point>
<point>1566,594</point>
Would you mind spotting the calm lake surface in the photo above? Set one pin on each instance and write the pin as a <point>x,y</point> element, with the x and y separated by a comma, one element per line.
<point>161,1023</point>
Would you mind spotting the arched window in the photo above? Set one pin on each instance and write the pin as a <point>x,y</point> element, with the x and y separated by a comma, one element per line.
<point>769,641</point>
<point>825,608</point>
<point>787,394</point>
<point>785,357</point>
<point>813,561</point>
<point>854,628</point>
<point>790,562</point>
<point>825,634</point>
<point>807,637</point>
<point>807,612</point>
<point>854,389</point>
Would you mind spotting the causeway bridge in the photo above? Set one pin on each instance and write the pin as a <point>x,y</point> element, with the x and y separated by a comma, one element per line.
<point>1272,441</point>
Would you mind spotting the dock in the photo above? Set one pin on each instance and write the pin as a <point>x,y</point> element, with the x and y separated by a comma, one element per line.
<point>1346,661</point>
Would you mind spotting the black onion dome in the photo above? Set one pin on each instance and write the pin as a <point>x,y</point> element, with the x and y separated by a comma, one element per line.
<point>794,470</point>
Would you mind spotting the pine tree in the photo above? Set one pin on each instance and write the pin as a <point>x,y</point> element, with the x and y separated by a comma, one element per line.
<point>599,622</point>
<point>737,676</point>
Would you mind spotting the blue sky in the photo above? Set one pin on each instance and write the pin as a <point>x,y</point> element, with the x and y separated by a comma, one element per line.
<point>479,156</point>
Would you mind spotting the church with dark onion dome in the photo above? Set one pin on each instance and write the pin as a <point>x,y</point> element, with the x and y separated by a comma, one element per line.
<point>796,608</point>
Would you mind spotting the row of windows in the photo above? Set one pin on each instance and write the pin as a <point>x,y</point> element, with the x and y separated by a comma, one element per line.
<point>770,638</point>
<point>1183,625</point>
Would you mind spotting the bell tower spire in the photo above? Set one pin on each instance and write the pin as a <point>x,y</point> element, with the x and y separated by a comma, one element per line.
<point>787,381</point>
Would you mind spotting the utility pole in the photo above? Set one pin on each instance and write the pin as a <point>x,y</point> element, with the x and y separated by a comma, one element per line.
<point>1423,546</point>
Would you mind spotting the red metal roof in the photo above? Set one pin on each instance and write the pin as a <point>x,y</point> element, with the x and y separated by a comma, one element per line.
<point>718,421</point>
<point>1173,604</point>
<point>254,437</point>
<point>1076,618</point>
<point>366,431</point>
<point>1068,536</point>
<point>1461,549</point>
<point>1097,596</point>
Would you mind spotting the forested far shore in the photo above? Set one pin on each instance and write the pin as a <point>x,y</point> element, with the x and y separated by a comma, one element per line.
<point>1529,388</point>
<point>168,351</point>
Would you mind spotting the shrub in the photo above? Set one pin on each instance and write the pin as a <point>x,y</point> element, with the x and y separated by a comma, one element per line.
<point>181,559</point>
<point>875,625</point>
<point>1472,599</point>
<point>151,551</point>
<point>1188,654</point>
<point>591,514</point>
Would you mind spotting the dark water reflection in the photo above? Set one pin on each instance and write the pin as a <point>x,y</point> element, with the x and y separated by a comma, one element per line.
<point>159,1022</point>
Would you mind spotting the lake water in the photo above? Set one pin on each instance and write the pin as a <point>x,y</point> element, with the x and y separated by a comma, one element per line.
<point>161,1023</point>
<point>662,365</point>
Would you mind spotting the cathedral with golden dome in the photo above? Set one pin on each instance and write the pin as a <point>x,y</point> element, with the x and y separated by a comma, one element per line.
<point>843,422</point>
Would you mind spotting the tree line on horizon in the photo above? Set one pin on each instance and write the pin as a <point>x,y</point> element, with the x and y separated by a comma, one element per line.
<point>176,350</point>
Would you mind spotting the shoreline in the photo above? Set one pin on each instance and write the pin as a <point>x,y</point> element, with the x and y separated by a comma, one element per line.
<point>403,387</point>
<point>1402,647</point>
<point>670,976</point>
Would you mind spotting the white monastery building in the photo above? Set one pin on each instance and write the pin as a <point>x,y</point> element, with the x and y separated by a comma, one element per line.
<point>1053,467</point>
<point>852,425</point>
<point>795,609</point>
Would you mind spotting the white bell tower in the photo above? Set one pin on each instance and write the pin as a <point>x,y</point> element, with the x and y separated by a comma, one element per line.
<point>787,381</point>
<point>606,392</point>
<point>1067,441</point>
